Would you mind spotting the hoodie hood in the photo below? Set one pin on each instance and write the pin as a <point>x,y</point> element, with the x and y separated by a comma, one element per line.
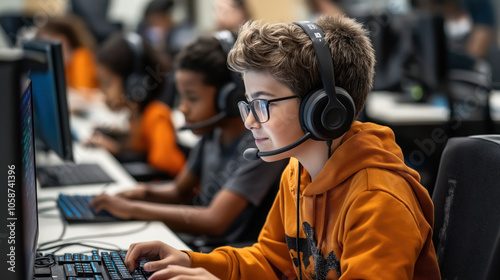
<point>365,145</point>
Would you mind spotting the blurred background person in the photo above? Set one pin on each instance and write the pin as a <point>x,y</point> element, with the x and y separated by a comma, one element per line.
<point>230,14</point>
<point>162,31</point>
<point>78,47</point>
<point>469,24</point>
<point>131,76</point>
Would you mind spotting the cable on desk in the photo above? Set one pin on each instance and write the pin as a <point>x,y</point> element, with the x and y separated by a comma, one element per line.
<point>139,229</point>
<point>65,225</point>
<point>45,199</point>
<point>44,261</point>
<point>83,244</point>
<point>45,209</point>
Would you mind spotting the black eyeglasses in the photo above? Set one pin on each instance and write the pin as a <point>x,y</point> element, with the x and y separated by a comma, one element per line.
<point>259,108</point>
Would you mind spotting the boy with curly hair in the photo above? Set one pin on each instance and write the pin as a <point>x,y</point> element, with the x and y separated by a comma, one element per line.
<point>350,209</point>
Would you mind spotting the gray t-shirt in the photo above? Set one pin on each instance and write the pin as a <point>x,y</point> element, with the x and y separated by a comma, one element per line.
<point>225,168</point>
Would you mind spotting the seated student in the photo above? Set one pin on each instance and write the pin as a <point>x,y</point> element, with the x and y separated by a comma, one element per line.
<point>230,14</point>
<point>161,29</point>
<point>77,44</point>
<point>122,63</point>
<point>219,190</point>
<point>348,207</point>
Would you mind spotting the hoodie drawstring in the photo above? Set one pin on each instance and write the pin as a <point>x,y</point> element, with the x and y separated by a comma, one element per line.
<point>298,223</point>
<point>322,234</point>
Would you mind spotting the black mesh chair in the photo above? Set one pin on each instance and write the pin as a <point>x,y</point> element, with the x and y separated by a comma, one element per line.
<point>467,208</point>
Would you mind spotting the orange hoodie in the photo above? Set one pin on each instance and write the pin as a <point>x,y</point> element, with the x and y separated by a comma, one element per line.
<point>365,216</point>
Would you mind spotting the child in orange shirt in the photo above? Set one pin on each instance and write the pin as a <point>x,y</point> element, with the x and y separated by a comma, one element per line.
<point>78,46</point>
<point>128,75</point>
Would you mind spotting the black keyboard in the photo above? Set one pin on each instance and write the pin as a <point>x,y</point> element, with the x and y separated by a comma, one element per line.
<point>71,174</point>
<point>92,266</point>
<point>76,209</point>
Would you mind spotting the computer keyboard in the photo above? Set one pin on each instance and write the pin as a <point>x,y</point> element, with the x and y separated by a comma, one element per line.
<point>93,266</point>
<point>76,209</point>
<point>72,174</point>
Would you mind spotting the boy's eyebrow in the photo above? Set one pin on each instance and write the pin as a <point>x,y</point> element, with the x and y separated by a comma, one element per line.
<point>258,94</point>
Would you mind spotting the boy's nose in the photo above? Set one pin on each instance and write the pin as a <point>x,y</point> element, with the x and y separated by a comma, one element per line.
<point>251,122</point>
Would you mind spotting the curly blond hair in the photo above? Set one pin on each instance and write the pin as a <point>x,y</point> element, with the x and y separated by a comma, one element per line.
<point>286,52</point>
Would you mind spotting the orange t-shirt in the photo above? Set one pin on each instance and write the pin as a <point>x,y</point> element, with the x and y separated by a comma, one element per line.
<point>158,139</point>
<point>81,71</point>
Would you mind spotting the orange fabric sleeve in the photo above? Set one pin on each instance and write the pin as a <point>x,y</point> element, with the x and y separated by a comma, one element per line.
<point>267,259</point>
<point>159,134</point>
<point>81,72</point>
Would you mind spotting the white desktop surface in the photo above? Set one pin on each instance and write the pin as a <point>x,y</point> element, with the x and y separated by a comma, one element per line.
<point>384,107</point>
<point>51,224</point>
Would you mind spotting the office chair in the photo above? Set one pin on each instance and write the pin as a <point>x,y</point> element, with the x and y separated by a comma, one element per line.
<point>467,208</point>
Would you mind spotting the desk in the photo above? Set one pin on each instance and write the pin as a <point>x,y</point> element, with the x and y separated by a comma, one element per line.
<point>383,107</point>
<point>51,225</point>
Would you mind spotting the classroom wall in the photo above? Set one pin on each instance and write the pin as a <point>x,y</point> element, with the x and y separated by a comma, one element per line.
<point>278,10</point>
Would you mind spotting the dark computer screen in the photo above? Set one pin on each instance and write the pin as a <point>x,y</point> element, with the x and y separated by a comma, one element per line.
<point>426,68</point>
<point>28,181</point>
<point>29,198</point>
<point>19,230</point>
<point>52,130</point>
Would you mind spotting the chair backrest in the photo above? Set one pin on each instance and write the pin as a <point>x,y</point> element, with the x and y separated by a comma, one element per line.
<point>467,208</point>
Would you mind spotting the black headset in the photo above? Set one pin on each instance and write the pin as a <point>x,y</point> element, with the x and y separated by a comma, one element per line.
<point>328,112</point>
<point>135,89</point>
<point>228,96</point>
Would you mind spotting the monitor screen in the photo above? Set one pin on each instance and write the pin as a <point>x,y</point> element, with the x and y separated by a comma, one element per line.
<point>28,180</point>
<point>51,117</point>
<point>19,233</point>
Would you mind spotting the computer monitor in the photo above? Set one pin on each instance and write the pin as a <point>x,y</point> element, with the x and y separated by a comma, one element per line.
<point>426,68</point>
<point>19,232</point>
<point>52,128</point>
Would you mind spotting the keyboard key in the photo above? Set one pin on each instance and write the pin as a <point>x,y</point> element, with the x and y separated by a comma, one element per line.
<point>109,265</point>
<point>77,209</point>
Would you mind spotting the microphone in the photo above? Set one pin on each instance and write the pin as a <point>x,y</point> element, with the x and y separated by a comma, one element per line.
<point>254,153</point>
<point>205,123</point>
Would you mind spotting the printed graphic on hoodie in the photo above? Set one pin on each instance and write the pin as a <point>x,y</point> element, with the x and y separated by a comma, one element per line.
<point>308,248</point>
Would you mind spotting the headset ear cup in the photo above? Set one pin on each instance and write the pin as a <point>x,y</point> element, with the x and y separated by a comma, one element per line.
<point>134,89</point>
<point>311,114</point>
<point>350,108</point>
<point>227,99</point>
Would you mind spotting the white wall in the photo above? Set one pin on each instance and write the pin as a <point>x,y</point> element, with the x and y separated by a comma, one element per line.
<point>15,6</point>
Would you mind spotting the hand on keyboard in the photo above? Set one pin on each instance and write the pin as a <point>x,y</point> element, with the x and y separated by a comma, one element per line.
<point>159,255</point>
<point>77,209</point>
<point>115,205</point>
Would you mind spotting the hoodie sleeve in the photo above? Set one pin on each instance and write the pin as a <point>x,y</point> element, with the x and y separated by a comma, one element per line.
<point>382,238</point>
<point>267,259</point>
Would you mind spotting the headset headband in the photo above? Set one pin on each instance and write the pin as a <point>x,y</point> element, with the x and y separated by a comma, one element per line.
<point>325,64</point>
<point>134,41</point>
<point>226,40</point>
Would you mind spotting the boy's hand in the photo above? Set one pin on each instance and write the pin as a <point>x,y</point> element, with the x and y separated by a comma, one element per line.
<point>137,193</point>
<point>159,255</point>
<point>103,141</point>
<point>181,272</point>
<point>117,206</point>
